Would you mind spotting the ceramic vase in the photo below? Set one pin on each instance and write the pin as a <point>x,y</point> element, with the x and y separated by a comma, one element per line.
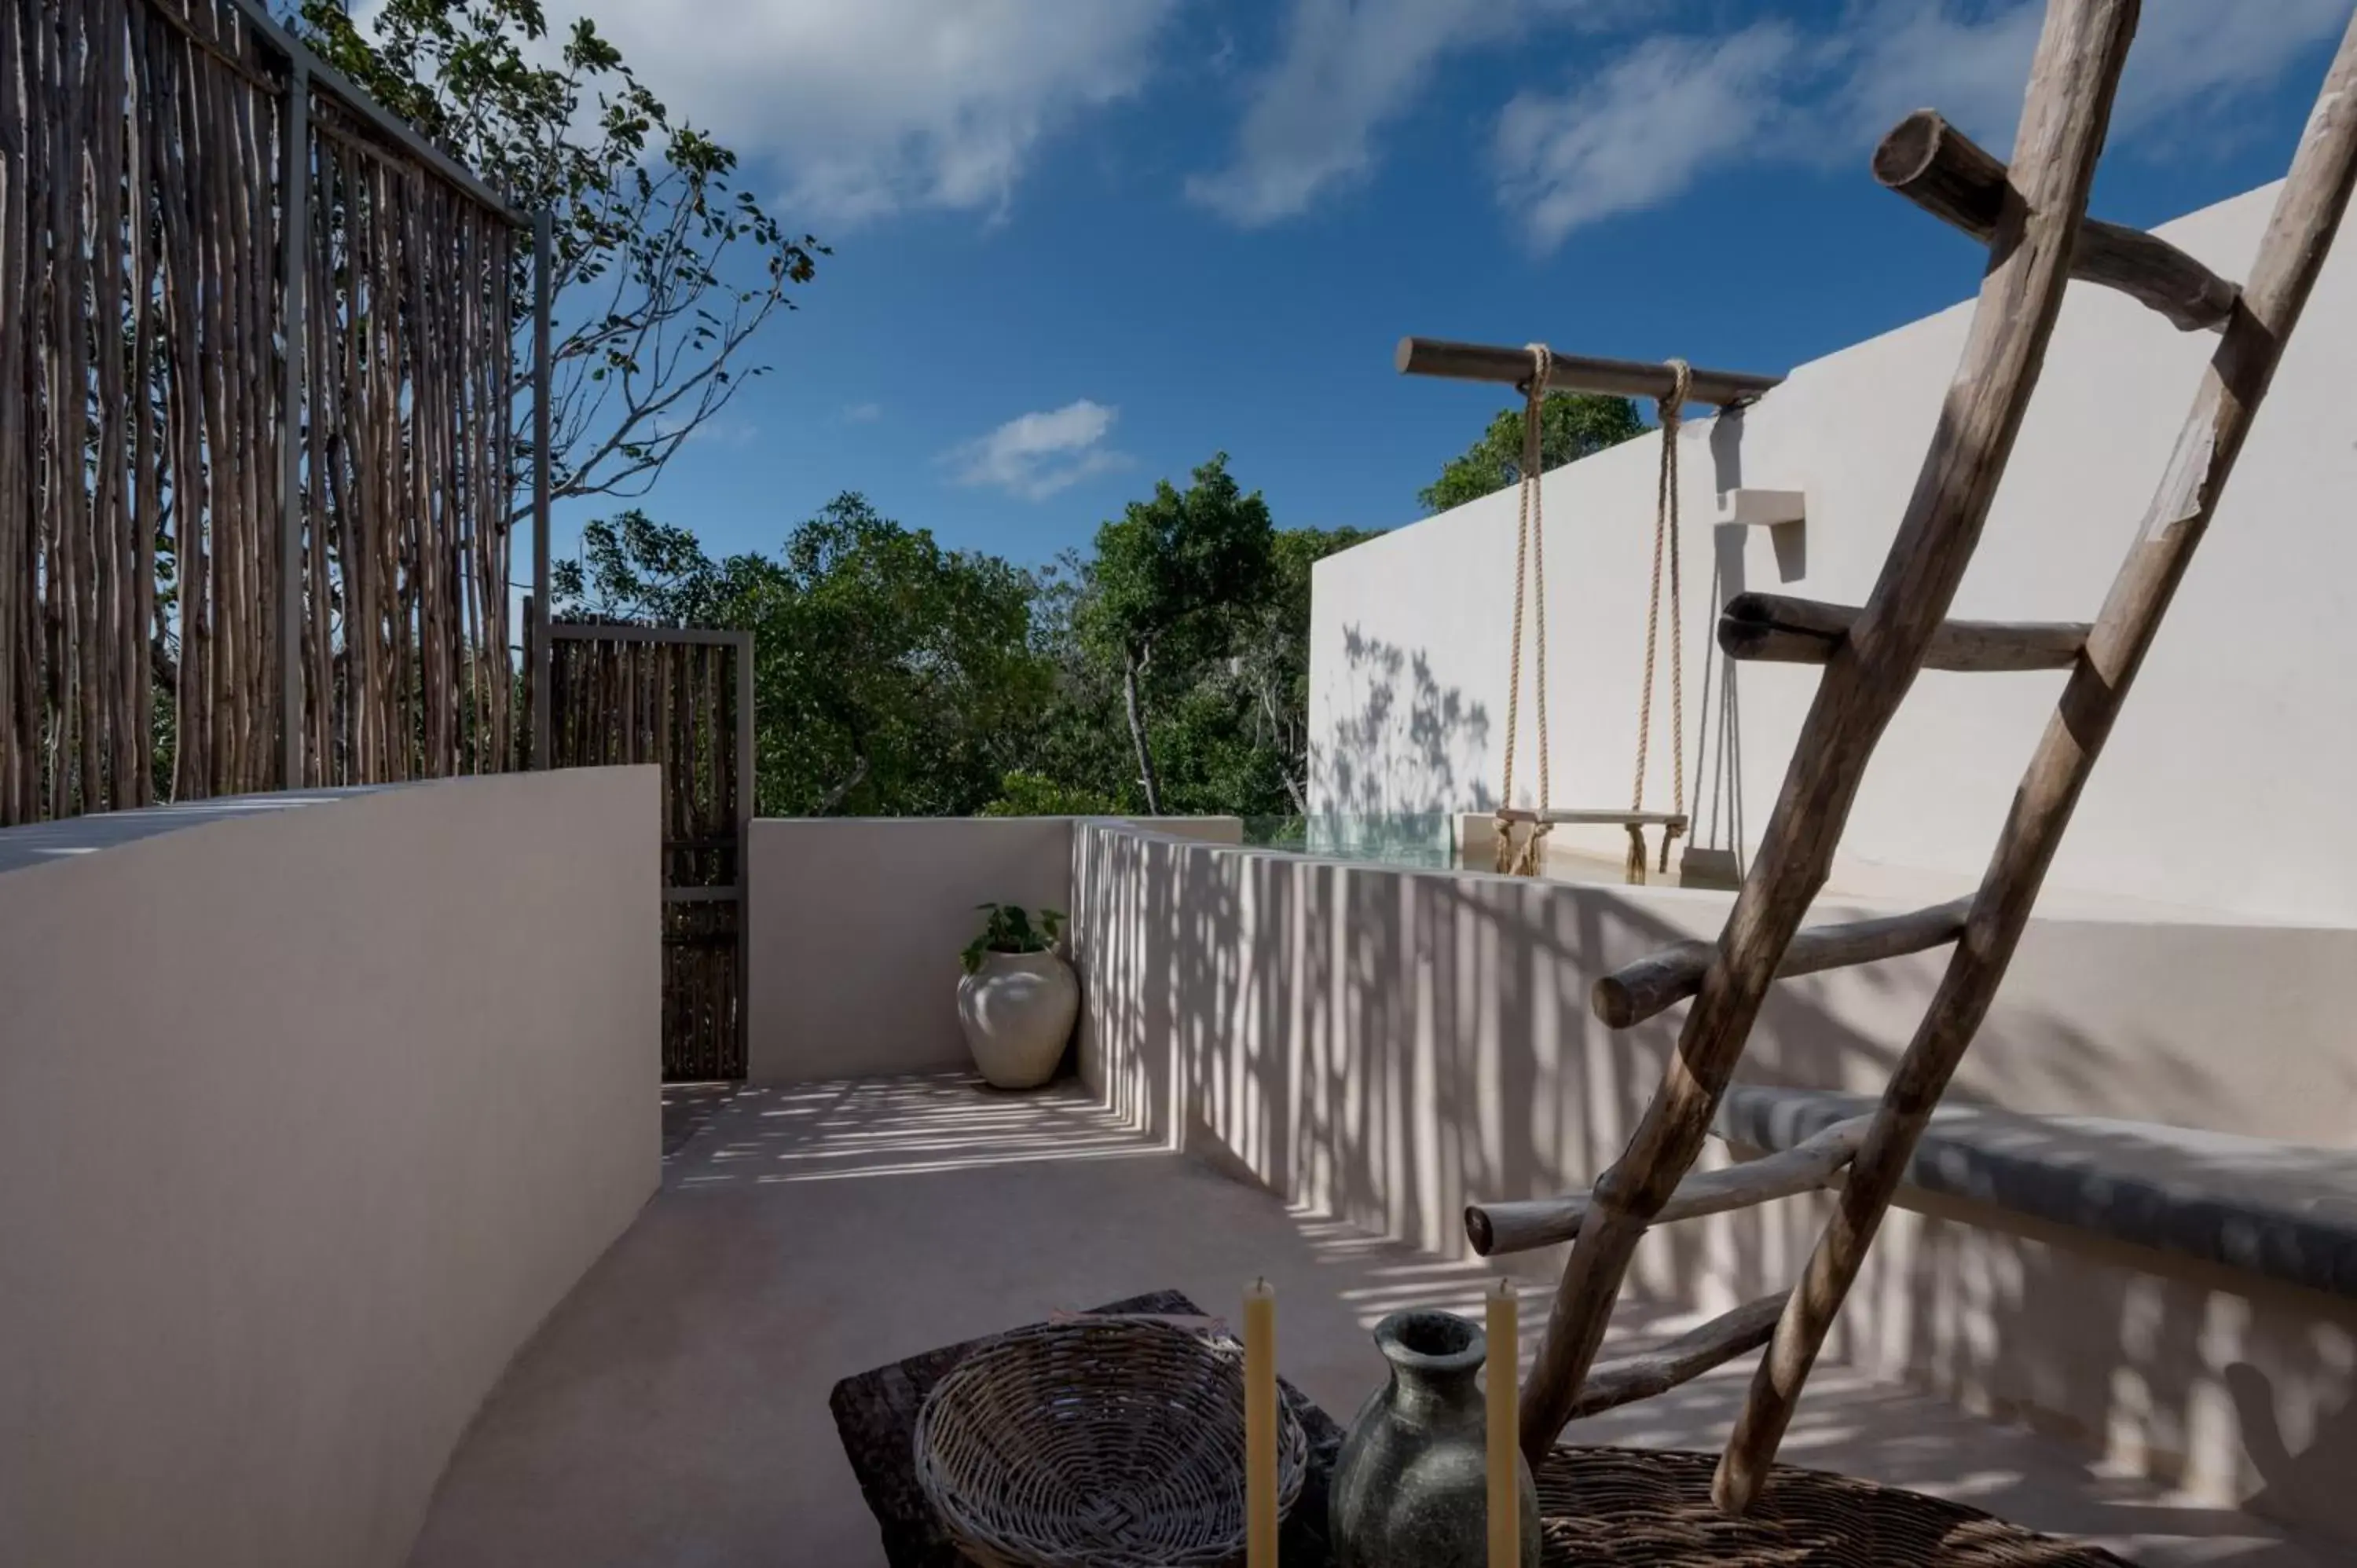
<point>1017,1011</point>
<point>1411,1485</point>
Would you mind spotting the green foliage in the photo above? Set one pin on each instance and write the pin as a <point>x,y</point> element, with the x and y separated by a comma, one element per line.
<point>663,270</point>
<point>1011,929</point>
<point>1023,793</point>
<point>1168,577</point>
<point>1572,426</point>
<point>1171,566</point>
<point>891,677</point>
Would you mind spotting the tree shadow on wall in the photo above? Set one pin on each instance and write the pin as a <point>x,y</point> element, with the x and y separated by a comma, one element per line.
<point>1402,742</point>
<point>1379,1047</point>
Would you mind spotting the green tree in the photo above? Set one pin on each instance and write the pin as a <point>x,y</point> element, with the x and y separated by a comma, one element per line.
<point>633,568</point>
<point>1166,574</point>
<point>891,677</point>
<point>1572,426</point>
<point>663,270</point>
<point>1082,740</point>
<point>1270,670</point>
<point>1023,793</point>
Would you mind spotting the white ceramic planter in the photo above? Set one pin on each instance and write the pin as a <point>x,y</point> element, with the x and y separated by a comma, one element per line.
<point>1017,1010</point>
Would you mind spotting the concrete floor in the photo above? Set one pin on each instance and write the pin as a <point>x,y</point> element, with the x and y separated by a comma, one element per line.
<point>674,1411</point>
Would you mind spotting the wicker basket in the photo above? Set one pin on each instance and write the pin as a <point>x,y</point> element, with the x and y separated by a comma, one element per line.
<point>1097,1442</point>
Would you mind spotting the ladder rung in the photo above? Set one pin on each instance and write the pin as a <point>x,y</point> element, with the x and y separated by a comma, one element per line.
<point>1497,1230</point>
<point>1777,629</point>
<point>1635,992</point>
<point>1942,171</point>
<point>1607,816</point>
<point>1683,1360</point>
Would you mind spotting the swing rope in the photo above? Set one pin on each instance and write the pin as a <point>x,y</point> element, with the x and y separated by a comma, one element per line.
<point>1670,411</point>
<point>1523,859</point>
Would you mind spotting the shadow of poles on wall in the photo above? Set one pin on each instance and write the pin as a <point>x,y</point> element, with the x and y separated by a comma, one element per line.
<point>1379,1047</point>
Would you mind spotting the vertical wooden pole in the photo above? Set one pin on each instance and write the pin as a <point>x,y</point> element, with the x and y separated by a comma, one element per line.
<point>542,250</point>
<point>294,223</point>
<point>745,806</point>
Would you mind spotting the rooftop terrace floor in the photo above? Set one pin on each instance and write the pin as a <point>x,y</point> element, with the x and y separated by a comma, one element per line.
<point>673,1410</point>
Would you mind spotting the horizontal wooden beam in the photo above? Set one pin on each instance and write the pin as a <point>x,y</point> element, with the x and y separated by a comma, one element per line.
<point>632,631</point>
<point>1682,1360</point>
<point>1945,172</point>
<point>1498,1230</point>
<point>1635,992</point>
<point>1604,817</point>
<point>1573,372</point>
<point>1777,629</point>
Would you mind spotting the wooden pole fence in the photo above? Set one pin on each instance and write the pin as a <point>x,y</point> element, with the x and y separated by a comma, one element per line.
<point>256,404</point>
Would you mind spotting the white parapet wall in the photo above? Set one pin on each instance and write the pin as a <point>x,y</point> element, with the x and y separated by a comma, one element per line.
<point>1386,1045</point>
<point>856,924</point>
<point>311,1108</point>
<point>2222,787</point>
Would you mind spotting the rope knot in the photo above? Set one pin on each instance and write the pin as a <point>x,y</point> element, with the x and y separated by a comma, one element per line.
<point>1671,409</point>
<point>1670,831</point>
<point>1523,859</point>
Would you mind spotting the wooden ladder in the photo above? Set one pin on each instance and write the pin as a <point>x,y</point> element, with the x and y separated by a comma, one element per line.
<point>2032,216</point>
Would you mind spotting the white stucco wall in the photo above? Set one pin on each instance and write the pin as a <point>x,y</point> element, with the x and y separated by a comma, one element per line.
<point>1387,1045</point>
<point>856,923</point>
<point>2222,786</point>
<point>311,1108</point>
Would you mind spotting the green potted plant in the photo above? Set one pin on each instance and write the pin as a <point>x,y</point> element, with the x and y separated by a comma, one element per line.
<point>1018,998</point>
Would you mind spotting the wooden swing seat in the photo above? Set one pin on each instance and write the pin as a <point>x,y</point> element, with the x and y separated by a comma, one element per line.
<point>1610,816</point>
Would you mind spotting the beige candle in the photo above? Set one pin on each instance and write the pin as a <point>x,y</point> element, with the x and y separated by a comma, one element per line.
<point>1260,1424</point>
<point>1504,1337</point>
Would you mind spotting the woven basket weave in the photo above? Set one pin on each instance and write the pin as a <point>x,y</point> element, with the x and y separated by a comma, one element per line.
<point>1634,1507</point>
<point>1102,1443</point>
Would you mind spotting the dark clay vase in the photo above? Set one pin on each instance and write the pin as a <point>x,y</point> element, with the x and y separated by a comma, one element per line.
<point>1411,1485</point>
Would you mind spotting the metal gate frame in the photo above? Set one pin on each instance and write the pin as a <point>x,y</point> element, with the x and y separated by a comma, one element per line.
<point>737,893</point>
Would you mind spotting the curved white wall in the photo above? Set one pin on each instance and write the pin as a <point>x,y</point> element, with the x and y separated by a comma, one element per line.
<point>2224,785</point>
<point>311,1108</point>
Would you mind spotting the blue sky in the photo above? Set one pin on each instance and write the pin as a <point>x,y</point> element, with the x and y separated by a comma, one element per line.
<point>1082,245</point>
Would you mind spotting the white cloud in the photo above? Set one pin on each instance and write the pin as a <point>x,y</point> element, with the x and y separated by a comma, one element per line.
<point>863,413</point>
<point>1640,132</point>
<point>1034,455</point>
<point>1348,67</point>
<point>721,430</point>
<point>1641,129</point>
<point>868,107</point>
<point>2189,56</point>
